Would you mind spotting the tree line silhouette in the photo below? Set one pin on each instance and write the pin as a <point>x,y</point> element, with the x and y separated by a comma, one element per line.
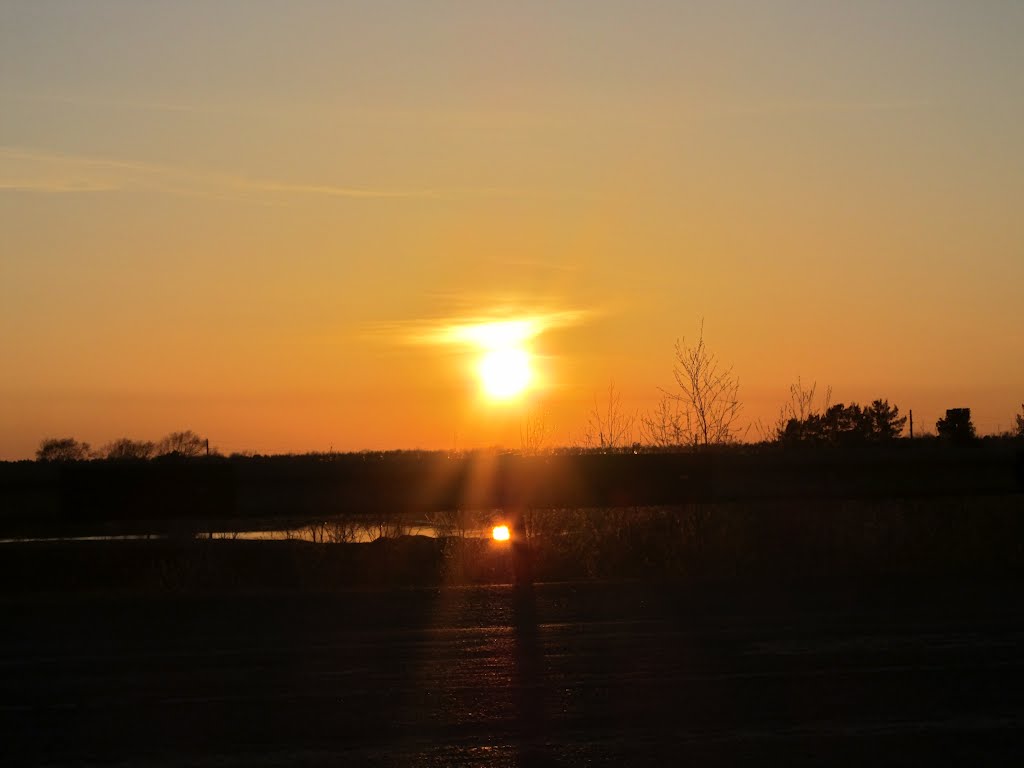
<point>847,423</point>
<point>702,410</point>
<point>829,489</point>
<point>185,444</point>
<point>704,407</point>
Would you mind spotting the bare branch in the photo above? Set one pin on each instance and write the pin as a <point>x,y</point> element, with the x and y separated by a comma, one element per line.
<point>800,407</point>
<point>534,433</point>
<point>667,425</point>
<point>609,427</point>
<point>708,393</point>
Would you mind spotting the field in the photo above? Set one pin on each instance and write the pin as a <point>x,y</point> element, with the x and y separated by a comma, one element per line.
<point>776,611</point>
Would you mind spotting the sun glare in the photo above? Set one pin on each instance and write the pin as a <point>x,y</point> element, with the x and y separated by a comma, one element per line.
<point>498,335</point>
<point>505,365</point>
<point>500,533</point>
<point>504,369</point>
<point>505,373</point>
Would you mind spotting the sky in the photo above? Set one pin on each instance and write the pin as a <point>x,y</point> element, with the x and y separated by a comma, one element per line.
<point>256,220</point>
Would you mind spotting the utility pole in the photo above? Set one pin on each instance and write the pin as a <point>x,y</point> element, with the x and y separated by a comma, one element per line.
<point>911,424</point>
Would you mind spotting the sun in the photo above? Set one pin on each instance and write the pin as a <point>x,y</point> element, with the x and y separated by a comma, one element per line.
<point>505,365</point>
<point>505,372</point>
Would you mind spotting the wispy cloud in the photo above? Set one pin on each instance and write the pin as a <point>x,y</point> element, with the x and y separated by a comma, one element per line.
<point>54,186</point>
<point>467,329</point>
<point>330,190</point>
<point>110,103</point>
<point>28,169</point>
<point>814,106</point>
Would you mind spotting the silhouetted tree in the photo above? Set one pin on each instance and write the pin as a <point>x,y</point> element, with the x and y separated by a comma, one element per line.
<point>801,406</point>
<point>667,425</point>
<point>842,424</point>
<point>609,426</point>
<point>62,449</point>
<point>186,443</point>
<point>798,409</point>
<point>708,393</point>
<point>957,425</point>
<point>534,433</point>
<point>125,448</point>
<point>1019,429</point>
<point>884,421</point>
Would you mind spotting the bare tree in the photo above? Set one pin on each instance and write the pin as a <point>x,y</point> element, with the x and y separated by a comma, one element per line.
<point>534,433</point>
<point>125,448</point>
<point>62,449</point>
<point>1019,428</point>
<point>801,400</point>
<point>186,443</point>
<point>384,528</point>
<point>336,530</point>
<point>667,425</point>
<point>708,392</point>
<point>455,522</point>
<point>608,426</point>
<point>800,406</point>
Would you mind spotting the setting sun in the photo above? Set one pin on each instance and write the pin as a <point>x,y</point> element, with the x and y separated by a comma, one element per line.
<point>500,533</point>
<point>500,354</point>
<point>505,373</point>
<point>505,369</point>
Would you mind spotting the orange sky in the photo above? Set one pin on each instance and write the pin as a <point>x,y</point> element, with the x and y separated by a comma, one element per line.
<point>236,218</point>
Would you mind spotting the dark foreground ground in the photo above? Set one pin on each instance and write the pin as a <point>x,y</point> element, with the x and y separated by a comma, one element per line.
<point>565,674</point>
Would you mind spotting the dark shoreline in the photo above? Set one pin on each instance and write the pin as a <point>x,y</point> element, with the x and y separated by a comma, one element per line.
<point>126,496</point>
<point>727,560</point>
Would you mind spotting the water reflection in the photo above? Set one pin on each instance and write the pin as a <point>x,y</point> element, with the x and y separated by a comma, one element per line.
<point>528,665</point>
<point>311,532</point>
<point>528,661</point>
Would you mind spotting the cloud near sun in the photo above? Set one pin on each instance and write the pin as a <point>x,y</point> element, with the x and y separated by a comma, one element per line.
<point>505,365</point>
<point>496,328</point>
